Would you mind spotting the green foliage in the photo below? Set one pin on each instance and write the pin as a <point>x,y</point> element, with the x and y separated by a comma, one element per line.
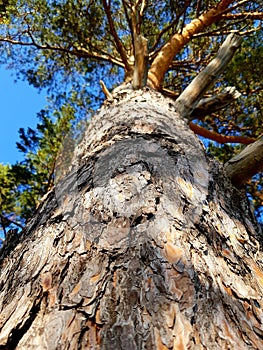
<point>68,43</point>
<point>8,205</point>
<point>60,43</point>
<point>24,183</point>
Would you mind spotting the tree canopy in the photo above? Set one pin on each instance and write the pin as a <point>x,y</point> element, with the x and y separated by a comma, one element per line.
<point>68,46</point>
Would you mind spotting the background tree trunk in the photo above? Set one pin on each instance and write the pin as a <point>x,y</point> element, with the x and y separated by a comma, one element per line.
<point>145,244</point>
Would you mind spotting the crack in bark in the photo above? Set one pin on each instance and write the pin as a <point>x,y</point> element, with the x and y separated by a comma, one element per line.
<point>18,332</point>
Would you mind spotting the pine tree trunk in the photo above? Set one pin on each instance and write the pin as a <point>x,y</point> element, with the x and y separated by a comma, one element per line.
<point>144,245</point>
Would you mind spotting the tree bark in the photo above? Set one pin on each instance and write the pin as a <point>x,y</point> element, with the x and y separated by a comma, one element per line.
<point>145,244</point>
<point>246,164</point>
<point>141,56</point>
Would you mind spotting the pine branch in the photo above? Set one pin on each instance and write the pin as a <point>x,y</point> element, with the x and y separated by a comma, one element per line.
<point>224,31</point>
<point>212,104</point>
<point>5,219</point>
<point>140,46</point>
<point>191,96</point>
<point>106,91</point>
<point>117,40</point>
<point>243,15</point>
<point>128,18</point>
<point>236,5</point>
<point>138,13</point>
<point>246,164</point>
<point>100,56</point>
<point>78,52</point>
<point>168,27</point>
<point>214,136</point>
<point>160,34</point>
<point>141,62</point>
<point>166,55</point>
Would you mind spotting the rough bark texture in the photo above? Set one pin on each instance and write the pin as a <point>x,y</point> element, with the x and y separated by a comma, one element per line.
<point>144,245</point>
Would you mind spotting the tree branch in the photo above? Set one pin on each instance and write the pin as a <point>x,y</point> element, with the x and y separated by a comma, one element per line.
<point>78,52</point>
<point>117,40</point>
<point>243,15</point>
<point>140,12</point>
<point>103,56</point>
<point>214,136</point>
<point>190,97</point>
<point>166,55</point>
<point>140,46</point>
<point>235,6</point>
<point>106,91</point>
<point>3,218</point>
<point>214,103</point>
<point>128,19</point>
<point>161,33</point>
<point>141,62</point>
<point>210,104</point>
<point>165,29</point>
<point>198,7</point>
<point>246,164</point>
<point>224,31</point>
<point>3,225</point>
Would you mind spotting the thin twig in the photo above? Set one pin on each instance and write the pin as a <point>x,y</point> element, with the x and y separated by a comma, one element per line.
<point>165,30</point>
<point>233,31</point>
<point>106,91</point>
<point>3,218</point>
<point>243,15</point>
<point>78,52</point>
<point>235,6</point>
<point>117,40</point>
<point>128,18</point>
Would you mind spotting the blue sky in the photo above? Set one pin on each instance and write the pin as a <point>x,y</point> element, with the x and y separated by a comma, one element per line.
<point>19,103</point>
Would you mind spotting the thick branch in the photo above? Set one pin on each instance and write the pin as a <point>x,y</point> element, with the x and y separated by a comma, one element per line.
<point>246,164</point>
<point>214,136</point>
<point>190,97</point>
<point>166,55</point>
<point>141,62</point>
<point>140,46</point>
<point>212,104</point>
